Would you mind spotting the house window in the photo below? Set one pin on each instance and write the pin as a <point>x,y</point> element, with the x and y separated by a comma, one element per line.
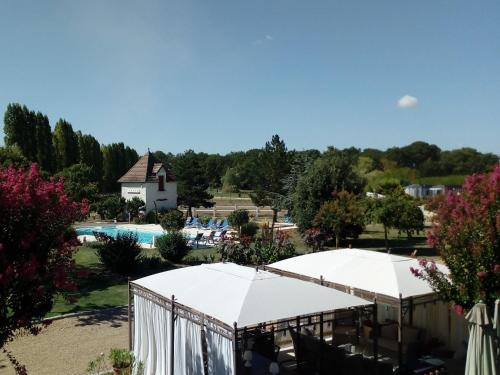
<point>161,183</point>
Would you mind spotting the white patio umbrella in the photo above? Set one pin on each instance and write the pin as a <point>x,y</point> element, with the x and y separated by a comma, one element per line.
<point>481,349</point>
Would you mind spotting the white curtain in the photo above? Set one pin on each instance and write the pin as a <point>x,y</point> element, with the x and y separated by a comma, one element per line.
<point>151,336</point>
<point>220,354</point>
<point>188,357</point>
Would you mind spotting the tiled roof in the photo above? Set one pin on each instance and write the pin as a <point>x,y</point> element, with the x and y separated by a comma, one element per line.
<point>145,170</point>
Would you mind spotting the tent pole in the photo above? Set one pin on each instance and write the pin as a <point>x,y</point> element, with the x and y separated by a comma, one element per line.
<point>129,312</point>
<point>410,312</point>
<point>235,349</point>
<point>400,331</point>
<point>172,333</point>
<point>375,330</point>
<point>321,343</point>
<point>297,327</point>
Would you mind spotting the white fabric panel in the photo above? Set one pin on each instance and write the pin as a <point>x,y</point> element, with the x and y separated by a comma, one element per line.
<point>372,271</point>
<point>151,336</point>
<point>220,354</point>
<point>188,357</point>
<point>233,293</point>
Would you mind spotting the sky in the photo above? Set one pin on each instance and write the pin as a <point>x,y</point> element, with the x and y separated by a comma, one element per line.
<point>221,76</point>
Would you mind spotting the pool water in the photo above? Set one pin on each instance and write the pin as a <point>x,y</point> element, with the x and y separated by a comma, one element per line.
<point>143,236</point>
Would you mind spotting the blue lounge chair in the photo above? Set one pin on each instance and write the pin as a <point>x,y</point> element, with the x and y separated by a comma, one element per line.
<point>224,225</point>
<point>209,224</point>
<point>194,223</point>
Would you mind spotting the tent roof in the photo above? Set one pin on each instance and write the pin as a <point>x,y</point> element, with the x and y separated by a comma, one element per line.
<point>233,293</point>
<point>376,272</point>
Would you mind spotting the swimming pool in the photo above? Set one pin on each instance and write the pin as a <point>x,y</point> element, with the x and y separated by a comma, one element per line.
<point>143,236</point>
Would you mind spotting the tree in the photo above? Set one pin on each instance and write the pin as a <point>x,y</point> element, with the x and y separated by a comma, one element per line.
<point>43,143</point>
<point>332,172</point>
<point>411,217</point>
<point>11,156</point>
<point>192,183</point>
<point>274,167</point>
<point>65,145</point>
<point>90,155</point>
<point>117,160</point>
<point>230,180</point>
<point>79,182</point>
<point>342,216</point>
<point>466,234</point>
<point>36,248</point>
<point>110,207</point>
<point>238,218</point>
<point>20,129</point>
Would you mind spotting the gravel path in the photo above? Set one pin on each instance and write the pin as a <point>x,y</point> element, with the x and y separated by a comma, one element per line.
<point>67,345</point>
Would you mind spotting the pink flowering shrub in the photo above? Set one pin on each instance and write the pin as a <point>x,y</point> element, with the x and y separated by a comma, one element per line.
<point>466,235</point>
<point>36,248</point>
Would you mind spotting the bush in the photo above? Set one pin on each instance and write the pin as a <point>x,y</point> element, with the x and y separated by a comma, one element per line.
<point>239,253</point>
<point>273,251</point>
<point>172,220</point>
<point>120,254</point>
<point>111,207</point>
<point>204,219</point>
<point>150,217</point>
<point>237,218</point>
<point>249,229</point>
<point>172,246</point>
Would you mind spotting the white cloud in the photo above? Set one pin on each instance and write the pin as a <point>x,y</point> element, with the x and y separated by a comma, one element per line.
<point>266,39</point>
<point>407,101</point>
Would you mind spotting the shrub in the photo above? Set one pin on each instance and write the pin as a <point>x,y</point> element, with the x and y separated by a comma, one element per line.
<point>239,253</point>
<point>172,220</point>
<point>172,246</point>
<point>120,254</point>
<point>150,217</point>
<point>273,251</point>
<point>204,219</point>
<point>237,218</point>
<point>134,205</point>
<point>110,207</point>
<point>249,229</point>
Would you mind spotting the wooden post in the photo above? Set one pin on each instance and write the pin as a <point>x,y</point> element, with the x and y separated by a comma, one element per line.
<point>400,331</point>
<point>375,330</point>
<point>235,349</point>
<point>298,356</point>
<point>410,312</point>
<point>321,280</point>
<point>172,334</point>
<point>322,343</point>
<point>129,317</point>
<point>256,212</point>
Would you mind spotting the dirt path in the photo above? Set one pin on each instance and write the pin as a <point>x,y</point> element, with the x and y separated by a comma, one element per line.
<point>67,345</point>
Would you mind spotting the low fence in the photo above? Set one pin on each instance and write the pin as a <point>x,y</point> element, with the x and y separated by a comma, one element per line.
<point>223,211</point>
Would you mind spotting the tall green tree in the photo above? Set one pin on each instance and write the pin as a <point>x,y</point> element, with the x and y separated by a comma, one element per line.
<point>333,172</point>
<point>44,146</point>
<point>90,155</point>
<point>192,183</point>
<point>274,164</point>
<point>65,145</point>
<point>20,129</point>
<point>117,159</point>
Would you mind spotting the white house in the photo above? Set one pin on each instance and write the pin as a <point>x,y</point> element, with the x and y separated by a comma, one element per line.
<point>151,181</point>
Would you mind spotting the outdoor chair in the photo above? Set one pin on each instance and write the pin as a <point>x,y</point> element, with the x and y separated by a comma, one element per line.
<point>209,224</point>
<point>188,221</point>
<point>220,236</point>
<point>196,240</point>
<point>210,238</point>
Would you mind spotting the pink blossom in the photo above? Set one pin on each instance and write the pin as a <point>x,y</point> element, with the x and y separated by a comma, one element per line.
<point>458,309</point>
<point>496,269</point>
<point>482,274</point>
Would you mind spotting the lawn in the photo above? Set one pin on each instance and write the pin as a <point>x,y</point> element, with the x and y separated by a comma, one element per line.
<point>101,289</point>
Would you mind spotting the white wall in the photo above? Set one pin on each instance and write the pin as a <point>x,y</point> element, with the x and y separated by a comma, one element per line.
<point>149,193</point>
<point>133,189</point>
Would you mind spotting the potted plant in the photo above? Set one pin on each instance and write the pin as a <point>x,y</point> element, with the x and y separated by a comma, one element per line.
<point>122,361</point>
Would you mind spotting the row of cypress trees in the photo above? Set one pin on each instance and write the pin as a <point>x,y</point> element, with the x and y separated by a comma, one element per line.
<point>56,150</point>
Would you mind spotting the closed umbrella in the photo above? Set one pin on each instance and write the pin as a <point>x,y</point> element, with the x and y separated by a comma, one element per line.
<point>481,348</point>
<point>496,325</point>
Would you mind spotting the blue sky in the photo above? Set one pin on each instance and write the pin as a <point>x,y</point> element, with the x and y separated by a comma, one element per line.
<point>219,76</point>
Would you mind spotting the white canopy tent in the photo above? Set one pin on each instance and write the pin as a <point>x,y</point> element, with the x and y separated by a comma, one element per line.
<point>384,277</point>
<point>220,299</point>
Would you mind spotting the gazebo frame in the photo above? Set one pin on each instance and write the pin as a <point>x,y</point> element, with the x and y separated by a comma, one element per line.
<point>404,305</point>
<point>234,332</point>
